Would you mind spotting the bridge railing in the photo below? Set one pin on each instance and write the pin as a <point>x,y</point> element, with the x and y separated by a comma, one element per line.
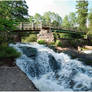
<point>35,26</point>
<point>29,26</point>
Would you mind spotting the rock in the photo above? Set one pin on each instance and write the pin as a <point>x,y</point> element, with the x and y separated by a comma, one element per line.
<point>46,34</point>
<point>55,66</point>
<point>29,51</point>
<point>85,58</point>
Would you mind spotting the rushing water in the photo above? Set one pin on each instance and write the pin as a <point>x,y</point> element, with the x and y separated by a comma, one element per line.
<point>51,71</point>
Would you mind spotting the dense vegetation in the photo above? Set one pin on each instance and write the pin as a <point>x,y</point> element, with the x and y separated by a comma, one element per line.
<point>11,12</point>
<point>30,38</point>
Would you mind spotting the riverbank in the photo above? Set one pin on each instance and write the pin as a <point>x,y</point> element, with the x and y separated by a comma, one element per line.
<point>86,58</point>
<point>75,54</point>
<point>13,79</point>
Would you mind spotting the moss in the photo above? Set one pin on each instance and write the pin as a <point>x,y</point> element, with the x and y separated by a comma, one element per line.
<point>41,42</point>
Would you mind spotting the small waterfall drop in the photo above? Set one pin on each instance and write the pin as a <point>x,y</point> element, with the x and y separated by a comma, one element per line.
<point>51,71</point>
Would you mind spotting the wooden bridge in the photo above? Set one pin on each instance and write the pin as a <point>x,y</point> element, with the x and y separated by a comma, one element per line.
<point>31,27</point>
<point>28,28</point>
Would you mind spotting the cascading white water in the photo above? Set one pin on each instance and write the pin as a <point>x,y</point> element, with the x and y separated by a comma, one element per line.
<point>51,71</point>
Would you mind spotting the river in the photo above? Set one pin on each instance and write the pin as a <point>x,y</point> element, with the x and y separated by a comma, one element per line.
<point>51,71</point>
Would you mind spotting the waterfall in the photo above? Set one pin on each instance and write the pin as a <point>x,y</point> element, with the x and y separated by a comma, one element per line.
<point>51,71</point>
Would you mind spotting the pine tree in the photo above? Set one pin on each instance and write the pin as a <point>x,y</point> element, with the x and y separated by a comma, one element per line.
<point>90,20</point>
<point>82,11</point>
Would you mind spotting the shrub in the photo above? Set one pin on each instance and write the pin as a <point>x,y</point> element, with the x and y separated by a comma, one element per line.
<point>30,38</point>
<point>8,52</point>
<point>41,41</point>
<point>51,43</point>
<point>64,35</point>
<point>58,43</point>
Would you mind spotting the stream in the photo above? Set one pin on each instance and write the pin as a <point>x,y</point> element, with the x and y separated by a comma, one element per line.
<point>51,71</point>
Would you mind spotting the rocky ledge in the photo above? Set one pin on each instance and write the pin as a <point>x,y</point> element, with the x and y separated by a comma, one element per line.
<point>13,79</point>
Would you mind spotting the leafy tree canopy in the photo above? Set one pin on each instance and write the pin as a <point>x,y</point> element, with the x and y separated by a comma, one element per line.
<point>12,12</point>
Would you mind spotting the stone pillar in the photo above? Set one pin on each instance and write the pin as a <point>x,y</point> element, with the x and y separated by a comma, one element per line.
<point>46,34</point>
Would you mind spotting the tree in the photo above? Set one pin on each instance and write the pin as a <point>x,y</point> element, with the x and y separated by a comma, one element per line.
<point>73,20</point>
<point>89,33</point>
<point>19,10</point>
<point>12,12</point>
<point>31,19</point>
<point>70,21</point>
<point>5,17</point>
<point>66,23</point>
<point>52,18</point>
<point>90,20</point>
<point>82,11</point>
<point>37,18</point>
<point>47,17</point>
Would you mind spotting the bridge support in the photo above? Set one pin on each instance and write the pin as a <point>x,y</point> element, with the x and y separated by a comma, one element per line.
<point>46,34</point>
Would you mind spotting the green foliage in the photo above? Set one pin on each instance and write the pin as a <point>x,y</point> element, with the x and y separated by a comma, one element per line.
<point>41,41</point>
<point>70,21</point>
<point>37,18</point>
<point>8,52</point>
<point>90,20</point>
<point>19,10</point>
<point>82,11</point>
<point>49,18</point>
<point>52,18</point>
<point>12,12</point>
<point>30,38</point>
<point>65,35</point>
<point>77,42</point>
<point>66,23</point>
<point>58,43</point>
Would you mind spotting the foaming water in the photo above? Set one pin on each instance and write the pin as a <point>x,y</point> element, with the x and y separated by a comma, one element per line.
<point>51,71</point>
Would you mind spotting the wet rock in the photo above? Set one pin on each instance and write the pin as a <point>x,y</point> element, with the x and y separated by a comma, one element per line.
<point>85,58</point>
<point>55,66</point>
<point>29,51</point>
<point>81,87</point>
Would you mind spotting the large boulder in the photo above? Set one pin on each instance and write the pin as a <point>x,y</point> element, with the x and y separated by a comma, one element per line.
<point>29,51</point>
